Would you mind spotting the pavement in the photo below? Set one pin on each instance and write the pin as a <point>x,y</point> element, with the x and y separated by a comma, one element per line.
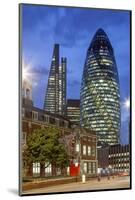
<point>104,183</point>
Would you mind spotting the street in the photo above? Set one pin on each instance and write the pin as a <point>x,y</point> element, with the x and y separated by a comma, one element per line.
<point>104,183</point>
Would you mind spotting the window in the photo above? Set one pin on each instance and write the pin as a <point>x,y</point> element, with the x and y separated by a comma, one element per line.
<point>93,151</point>
<point>89,150</point>
<point>45,118</point>
<point>89,167</point>
<point>77,147</point>
<point>23,112</point>
<point>66,124</point>
<point>85,167</point>
<point>58,171</point>
<point>48,169</point>
<point>94,167</point>
<point>34,115</point>
<point>84,149</point>
<point>52,120</point>
<point>23,138</point>
<point>36,168</point>
<point>57,121</point>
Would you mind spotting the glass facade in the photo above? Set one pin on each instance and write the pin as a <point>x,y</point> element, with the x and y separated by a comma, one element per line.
<point>55,98</point>
<point>100,95</point>
<point>73,111</point>
<point>62,86</point>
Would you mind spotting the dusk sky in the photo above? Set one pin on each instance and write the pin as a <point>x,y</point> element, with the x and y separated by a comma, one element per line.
<point>73,29</point>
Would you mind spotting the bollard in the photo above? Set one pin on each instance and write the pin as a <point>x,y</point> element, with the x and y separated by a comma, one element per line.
<point>83,178</point>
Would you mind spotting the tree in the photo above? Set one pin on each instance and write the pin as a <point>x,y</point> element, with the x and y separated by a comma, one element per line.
<point>44,147</point>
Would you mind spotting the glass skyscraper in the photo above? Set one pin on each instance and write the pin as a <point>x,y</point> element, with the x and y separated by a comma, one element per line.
<point>55,97</point>
<point>73,111</point>
<point>100,94</point>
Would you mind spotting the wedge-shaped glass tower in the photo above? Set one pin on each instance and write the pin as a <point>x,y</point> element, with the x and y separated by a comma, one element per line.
<point>100,95</point>
<point>55,97</point>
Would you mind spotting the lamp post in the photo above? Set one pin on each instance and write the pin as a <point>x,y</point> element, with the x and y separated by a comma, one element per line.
<point>110,170</point>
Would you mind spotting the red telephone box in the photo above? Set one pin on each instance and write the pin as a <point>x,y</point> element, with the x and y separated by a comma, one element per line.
<point>74,170</point>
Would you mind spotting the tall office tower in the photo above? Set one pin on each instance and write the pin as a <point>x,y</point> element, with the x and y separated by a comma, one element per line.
<point>62,86</point>
<point>73,110</point>
<point>100,95</point>
<point>55,98</point>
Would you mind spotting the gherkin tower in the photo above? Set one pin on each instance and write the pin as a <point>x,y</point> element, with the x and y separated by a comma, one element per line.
<point>100,94</point>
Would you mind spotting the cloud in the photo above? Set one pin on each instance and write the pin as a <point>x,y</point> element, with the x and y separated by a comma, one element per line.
<point>41,71</point>
<point>34,15</point>
<point>69,25</point>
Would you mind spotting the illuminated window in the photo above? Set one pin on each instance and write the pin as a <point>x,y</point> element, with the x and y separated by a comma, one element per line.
<point>89,168</point>
<point>77,147</point>
<point>34,115</point>
<point>36,169</point>
<point>84,149</point>
<point>94,168</point>
<point>48,169</point>
<point>85,167</point>
<point>58,171</point>
<point>89,150</point>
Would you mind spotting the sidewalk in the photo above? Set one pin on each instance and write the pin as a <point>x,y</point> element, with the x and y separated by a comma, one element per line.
<point>90,185</point>
<point>57,181</point>
<point>48,182</point>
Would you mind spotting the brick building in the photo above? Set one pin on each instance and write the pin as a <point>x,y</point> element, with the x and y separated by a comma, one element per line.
<point>80,143</point>
<point>35,118</point>
<point>86,150</point>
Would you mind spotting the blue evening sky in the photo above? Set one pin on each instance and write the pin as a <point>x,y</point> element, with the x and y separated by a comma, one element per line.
<point>73,29</point>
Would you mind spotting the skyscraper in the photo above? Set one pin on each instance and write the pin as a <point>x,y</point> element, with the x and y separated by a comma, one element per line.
<point>100,95</point>
<point>73,110</point>
<point>62,86</point>
<point>55,98</point>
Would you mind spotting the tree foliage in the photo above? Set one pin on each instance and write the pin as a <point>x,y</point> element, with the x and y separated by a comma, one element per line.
<point>43,146</point>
